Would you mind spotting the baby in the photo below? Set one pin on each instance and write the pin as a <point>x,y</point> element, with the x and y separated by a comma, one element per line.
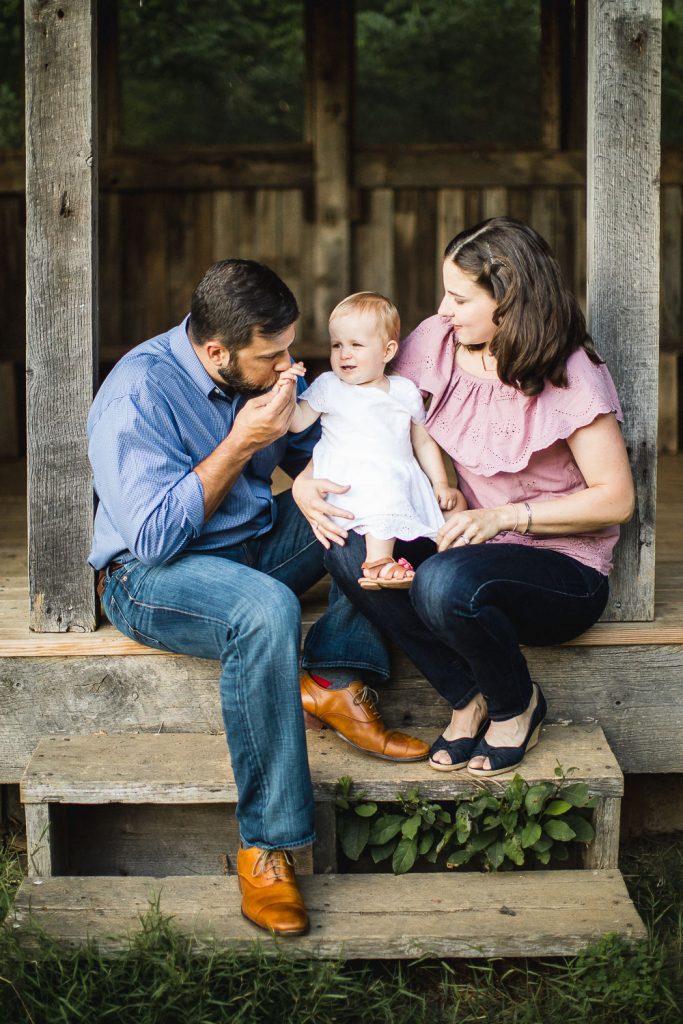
<point>373,438</point>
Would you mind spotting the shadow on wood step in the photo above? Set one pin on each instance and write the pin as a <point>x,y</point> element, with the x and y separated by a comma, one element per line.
<point>544,913</point>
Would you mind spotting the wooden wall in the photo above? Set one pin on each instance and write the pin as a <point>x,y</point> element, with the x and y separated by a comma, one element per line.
<point>155,243</point>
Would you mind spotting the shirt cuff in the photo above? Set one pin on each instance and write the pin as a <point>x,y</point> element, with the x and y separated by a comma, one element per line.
<point>189,494</point>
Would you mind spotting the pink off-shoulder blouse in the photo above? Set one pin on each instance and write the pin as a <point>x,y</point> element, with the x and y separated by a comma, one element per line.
<point>505,446</point>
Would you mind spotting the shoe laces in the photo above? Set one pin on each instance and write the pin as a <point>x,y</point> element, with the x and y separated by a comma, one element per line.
<point>369,697</point>
<point>275,864</point>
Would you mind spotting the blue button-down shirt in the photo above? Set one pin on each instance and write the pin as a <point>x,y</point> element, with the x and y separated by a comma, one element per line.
<point>157,415</point>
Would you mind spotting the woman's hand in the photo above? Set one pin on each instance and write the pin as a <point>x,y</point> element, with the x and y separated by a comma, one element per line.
<point>474,526</point>
<point>310,495</point>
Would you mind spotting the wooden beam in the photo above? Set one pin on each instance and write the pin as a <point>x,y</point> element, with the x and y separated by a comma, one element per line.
<point>420,166</point>
<point>330,30</point>
<point>61,308</point>
<point>551,75</point>
<point>623,165</point>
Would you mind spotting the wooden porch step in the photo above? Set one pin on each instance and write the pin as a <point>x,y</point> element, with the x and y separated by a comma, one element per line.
<point>189,768</point>
<point>71,783</point>
<point>539,913</point>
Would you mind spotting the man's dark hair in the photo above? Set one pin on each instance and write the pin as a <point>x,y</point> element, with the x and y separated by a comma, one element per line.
<point>234,298</point>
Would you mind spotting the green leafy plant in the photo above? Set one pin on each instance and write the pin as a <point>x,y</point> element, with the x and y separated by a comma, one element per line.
<point>510,827</point>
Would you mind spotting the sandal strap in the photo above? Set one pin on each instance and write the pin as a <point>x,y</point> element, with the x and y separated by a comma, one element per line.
<point>378,562</point>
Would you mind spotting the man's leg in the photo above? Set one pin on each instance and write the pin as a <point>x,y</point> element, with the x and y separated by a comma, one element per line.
<point>339,647</point>
<point>342,638</point>
<point>214,607</point>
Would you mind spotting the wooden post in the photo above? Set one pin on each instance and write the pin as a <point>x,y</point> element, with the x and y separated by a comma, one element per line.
<point>61,307</point>
<point>624,79</point>
<point>551,74</point>
<point>329,30</point>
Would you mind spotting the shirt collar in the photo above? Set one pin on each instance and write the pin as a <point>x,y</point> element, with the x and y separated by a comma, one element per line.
<point>185,355</point>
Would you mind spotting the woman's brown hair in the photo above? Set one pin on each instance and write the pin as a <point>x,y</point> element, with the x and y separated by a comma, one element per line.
<point>539,320</point>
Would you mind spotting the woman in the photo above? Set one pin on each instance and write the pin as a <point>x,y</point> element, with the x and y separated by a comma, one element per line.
<point>528,412</point>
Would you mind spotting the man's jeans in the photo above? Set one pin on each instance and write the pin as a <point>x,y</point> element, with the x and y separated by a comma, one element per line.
<point>469,608</point>
<point>239,606</point>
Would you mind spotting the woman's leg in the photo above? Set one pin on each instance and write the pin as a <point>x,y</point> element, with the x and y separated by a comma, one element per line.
<point>392,613</point>
<point>486,600</point>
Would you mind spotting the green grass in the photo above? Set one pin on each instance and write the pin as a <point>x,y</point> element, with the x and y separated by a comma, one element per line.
<point>158,980</point>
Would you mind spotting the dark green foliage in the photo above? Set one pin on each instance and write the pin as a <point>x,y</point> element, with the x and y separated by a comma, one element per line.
<point>11,74</point>
<point>672,72</point>
<point>430,71</point>
<point>516,825</point>
<point>220,72</point>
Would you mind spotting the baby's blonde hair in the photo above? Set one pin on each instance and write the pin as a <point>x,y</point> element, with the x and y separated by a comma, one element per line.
<point>385,313</point>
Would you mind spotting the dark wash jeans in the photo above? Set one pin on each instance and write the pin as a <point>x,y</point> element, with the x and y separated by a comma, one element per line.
<point>469,609</point>
<point>239,606</point>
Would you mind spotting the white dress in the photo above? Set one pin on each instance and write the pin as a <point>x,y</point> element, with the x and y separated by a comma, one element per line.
<point>366,443</point>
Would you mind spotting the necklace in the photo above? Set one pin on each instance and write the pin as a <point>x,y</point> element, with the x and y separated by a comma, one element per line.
<point>482,350</point>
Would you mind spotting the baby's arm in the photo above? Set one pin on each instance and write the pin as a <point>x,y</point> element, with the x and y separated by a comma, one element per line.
<point>304,414</point>
<point>428,454</point>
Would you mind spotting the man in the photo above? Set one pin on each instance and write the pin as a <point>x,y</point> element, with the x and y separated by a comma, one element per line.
<point>195,555</point>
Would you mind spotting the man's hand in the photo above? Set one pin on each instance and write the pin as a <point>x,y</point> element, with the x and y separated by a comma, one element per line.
<point>265,418</point>
<point>310,495</point>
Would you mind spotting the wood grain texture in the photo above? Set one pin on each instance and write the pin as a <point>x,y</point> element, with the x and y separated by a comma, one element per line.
<point>190,769</point>
<point>623,168</point>
<point>329,29</point>
<point>354,916</point>
<point>426,165</point>
<point>603,852</point>
<point>61,307</point>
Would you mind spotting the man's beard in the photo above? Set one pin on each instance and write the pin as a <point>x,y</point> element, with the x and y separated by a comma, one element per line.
<point>234,378</point>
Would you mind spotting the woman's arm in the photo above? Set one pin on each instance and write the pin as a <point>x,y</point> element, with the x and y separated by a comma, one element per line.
<point>428,454</point>
<point>607,499</point>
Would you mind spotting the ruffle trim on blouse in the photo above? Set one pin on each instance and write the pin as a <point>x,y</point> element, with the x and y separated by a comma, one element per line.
<point>489,427</point>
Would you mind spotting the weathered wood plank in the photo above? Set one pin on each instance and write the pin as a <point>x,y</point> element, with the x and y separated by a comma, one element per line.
<point>671,256</point>
<point>426,165</point>
<point>354,916</point>
<point>329,29</point>
<point>634,692</point>
<point>551,75</point>
<point>603,852</point>
<point>623,165</point>
<point>373,262</point>
<point>450,221</point>
<point>61,307</point>
<point>182,769</point>
<point>669,407</point>
<point>38,839</point>
<point>9,425</point>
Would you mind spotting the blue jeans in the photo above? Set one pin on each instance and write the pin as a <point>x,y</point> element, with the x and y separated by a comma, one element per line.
<point>239,606</point>
<point>469,608</point>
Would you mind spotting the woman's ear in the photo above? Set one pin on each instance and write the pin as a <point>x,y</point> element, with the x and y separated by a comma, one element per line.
<point>390,350</point>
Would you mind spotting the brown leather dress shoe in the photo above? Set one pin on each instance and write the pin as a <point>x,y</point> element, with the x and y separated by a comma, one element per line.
<point>353,715</point>
<point>270,894</point>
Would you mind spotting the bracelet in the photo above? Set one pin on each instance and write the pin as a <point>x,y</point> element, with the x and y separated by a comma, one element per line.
<point>527,506</point>
<point>516,508</point>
